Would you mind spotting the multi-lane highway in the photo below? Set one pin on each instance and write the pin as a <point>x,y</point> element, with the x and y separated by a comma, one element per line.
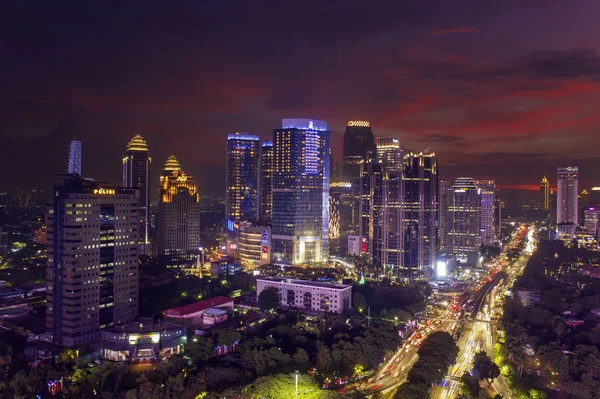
<point>470,314</point>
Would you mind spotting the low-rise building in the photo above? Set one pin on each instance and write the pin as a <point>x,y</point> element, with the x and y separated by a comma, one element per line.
<point>254,245</point>
<point>213,316</point>
<point>191,315</point>
<point>309,295</point>
<point>142,341</point>
<point>224,268</point>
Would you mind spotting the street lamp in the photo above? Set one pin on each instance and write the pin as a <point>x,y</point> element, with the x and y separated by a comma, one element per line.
<point>297,374</point>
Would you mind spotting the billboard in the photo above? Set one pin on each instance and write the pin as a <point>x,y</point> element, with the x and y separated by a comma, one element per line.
<point>441,269</point>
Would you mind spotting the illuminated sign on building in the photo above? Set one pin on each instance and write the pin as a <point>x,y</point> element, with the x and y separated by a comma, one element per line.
<point>265,244</point>
<point>359,123</point>
<point>230,225</point>
<point>303,124</point>
<point>104,191</point>
<point>441,269</point>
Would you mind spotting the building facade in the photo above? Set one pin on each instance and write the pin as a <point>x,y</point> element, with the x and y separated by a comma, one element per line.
<point>445,197</point>
<point>74,166</point>
<point>301,170</point>
<point>254,246</point>
<point>420,212</point>
<point>567,208</point>
<point>464,238</point>
<point>545,194</point>
<point>179,216</point>
<point>241,197</point>
<point>487,193</point>
<point>265,182</point>
<point>136,174</point>
<point>591,218</point>
<point>309,295</point>
<point>92,273</point>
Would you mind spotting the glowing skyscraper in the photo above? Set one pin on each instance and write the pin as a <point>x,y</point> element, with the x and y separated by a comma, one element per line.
<point>567,208</point>
<point>545,194</point>
<point>464,239</point>
<point>136,174</point>
<point>265,181</point>
<point>242,199</point>
<point>301,192</point>
<point>179,216</point>
<point>75,158</point>
<point>487,193</point>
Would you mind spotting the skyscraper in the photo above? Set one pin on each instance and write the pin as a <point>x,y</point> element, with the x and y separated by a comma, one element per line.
<point>487,191</point>
<point>371,216</point>
<point>75,158</point>
<point>179,216</point>
<point>241,198</point>
<point>136,174</point>
<point>567,209</point>
<point>359,148</point>
<point>92,271</point>
<point>445,197</point>
<point>420,212</point>
<point>464,216</point>
<point>591,219</point>
<point>265,182</point>
<point>390,199</point>
<point>301,192</point>
<point>545,194</point>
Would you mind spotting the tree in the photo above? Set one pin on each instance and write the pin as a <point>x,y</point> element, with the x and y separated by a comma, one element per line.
<point>269,299</point>
<point>412,391</point>
<point>301,359</point>
<point>484,368</point>
<point>359,302</point>
<point>470,385</point>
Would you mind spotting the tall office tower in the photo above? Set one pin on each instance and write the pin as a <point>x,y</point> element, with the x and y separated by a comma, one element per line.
<point>445,196</point>
<point>241,198</point>
<point>371,215</point>
<point>136,174</point>
<point>359,148</point>
<point>75,158</point>
<point>594,197</point>
<point>591,217</point>
<point>265,182</point>
<point>464,216</point>
<point>420,212</point>
<point>545,194</point>
<point>179,216</point>
<point>389,153</point>
<point>92,271</point>
<point>567,209</point>
<point>301,192</point>
<point>392,197</point>
<point>487,193</point>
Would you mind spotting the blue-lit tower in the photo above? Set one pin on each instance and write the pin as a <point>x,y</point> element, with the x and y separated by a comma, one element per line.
<point>241,198</point>
<point>300,218</point>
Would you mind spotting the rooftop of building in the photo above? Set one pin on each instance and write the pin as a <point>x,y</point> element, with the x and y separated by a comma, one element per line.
<point>137,143</point>
<point>145,325</point>
<point>307,283</point>
<point>215,312</point>
<point>197,306</point>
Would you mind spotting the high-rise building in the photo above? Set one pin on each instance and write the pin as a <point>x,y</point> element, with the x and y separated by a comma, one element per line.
<point>301,192</point>
<point>464,212</point>
<point>545,194</point>
<point>487,193</point>
<point>420,212</point>
<point>359,147</point>
<point>594,197</point>
<point>265,182</point>
<point>371,217</point>
<point>445,196</point>
<point>136,174</point>
<point>179,216</point>
<point>389,153</point>
<point>92,272</point>
<point>567,208</point>
<point>591,219</point>
<point>241,198</point>
<point>74,166</point>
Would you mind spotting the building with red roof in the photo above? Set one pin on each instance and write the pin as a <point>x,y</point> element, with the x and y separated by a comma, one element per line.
<point>190,315</point>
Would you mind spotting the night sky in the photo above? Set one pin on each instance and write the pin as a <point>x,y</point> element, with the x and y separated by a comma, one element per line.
<point>508,89</point>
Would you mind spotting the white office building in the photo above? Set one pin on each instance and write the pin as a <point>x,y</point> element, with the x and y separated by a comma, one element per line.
<point>309,295</point>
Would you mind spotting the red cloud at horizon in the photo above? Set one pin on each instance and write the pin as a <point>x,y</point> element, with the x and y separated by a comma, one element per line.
<point>464,29</point>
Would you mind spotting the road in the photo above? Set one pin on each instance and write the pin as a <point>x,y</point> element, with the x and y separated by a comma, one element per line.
<point>481,335</point>
<point>478,333</point>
